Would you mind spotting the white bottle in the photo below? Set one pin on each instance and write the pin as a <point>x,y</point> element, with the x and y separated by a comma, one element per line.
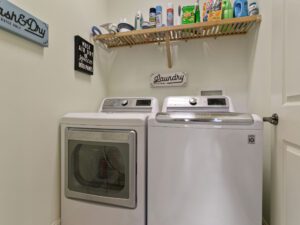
<point>139,20</point>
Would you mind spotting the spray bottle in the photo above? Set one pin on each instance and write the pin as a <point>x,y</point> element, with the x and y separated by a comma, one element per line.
<point>139,20</point>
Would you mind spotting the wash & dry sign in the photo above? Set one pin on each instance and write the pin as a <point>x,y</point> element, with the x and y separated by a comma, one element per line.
<point>84,56</point>
<point>177,79</point>
<point>19,22</point>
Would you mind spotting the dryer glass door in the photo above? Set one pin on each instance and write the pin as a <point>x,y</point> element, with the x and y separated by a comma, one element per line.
<point>101,166</point>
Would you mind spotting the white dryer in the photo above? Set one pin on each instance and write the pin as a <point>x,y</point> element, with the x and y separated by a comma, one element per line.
<point>204,164</point>
<point>103,163</point>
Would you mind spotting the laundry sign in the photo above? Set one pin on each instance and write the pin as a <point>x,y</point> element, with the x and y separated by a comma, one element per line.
<point>19,22</point>
<point>176,79</point>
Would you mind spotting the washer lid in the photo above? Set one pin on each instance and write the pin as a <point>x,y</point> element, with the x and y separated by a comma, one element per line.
<point>211,118</point>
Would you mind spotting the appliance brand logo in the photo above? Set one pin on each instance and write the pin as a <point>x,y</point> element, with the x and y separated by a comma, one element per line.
<point>22,23</point>
<point>177,79</point>
<point>251,139</point>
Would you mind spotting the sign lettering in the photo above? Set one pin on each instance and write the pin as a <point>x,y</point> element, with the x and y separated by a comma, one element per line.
<point>177,79</point>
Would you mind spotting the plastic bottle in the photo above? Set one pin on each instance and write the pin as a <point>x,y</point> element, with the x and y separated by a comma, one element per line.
<point>197,13</point>
<point>227,11</point>
<point>179,13</point>
<point>241,8</point>
<point>152,17</point>
<point>159,16</point>
<point>139,20</point>
<point>170,15</point>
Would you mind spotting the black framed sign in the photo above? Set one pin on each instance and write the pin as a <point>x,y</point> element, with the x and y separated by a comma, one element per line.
<point>84,56</point>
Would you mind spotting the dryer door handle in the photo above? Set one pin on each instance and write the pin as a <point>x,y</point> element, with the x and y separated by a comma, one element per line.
<point>212,118</point>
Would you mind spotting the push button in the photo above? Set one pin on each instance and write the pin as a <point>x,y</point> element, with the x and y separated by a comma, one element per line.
<point>193,101</point>
<point>124,102</point>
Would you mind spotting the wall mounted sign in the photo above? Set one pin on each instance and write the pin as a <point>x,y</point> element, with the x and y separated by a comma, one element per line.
<point>19,22</point>
<point>177,79</point>
<point>84,56</point>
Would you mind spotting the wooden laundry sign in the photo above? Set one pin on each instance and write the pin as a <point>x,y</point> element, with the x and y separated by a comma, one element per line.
<point>177,79</point>
<point>19,22</point>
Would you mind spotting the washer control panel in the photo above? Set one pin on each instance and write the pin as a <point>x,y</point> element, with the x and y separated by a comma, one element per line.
<point>198,103</point>
<point>129,105</point>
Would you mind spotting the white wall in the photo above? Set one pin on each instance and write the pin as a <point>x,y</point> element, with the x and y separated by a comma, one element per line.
<point>37,86</point>
<point>239,65</point>
<point>260,88</point>
<point>211,64</point>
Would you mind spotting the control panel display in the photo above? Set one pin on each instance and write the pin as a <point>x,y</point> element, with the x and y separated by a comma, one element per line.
<point>143,102</point>
<point>216,101</point>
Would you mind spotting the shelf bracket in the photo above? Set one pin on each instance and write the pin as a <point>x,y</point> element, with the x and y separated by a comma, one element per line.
<point>168,49</point>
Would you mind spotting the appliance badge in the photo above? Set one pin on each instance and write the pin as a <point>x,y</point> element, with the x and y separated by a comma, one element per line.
<point>251,139</point>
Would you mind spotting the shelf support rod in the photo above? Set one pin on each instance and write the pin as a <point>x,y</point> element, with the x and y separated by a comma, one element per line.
<point>168,49</point>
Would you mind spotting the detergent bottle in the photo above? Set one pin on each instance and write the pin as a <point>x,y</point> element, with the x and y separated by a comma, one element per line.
<point>227,10</point>
<point>241,8</point>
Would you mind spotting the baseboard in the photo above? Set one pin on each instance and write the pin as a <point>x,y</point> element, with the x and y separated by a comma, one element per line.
<point>56,222</point>
<point>265,222</point>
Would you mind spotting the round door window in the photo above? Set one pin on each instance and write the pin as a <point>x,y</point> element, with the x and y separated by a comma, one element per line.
<point>99,168</point>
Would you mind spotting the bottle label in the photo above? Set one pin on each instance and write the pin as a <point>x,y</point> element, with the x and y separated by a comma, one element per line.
<point>170,19</point>
<point>152,19</point>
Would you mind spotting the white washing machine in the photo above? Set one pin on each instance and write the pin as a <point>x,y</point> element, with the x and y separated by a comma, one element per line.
<point>204,164</point>
<point>103,163</point>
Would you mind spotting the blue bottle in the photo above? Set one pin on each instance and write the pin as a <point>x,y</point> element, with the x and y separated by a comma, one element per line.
<point>241,8</point>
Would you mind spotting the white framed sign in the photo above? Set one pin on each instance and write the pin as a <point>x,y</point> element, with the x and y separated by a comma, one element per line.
<point>22,23</point>
<point>175,79</point>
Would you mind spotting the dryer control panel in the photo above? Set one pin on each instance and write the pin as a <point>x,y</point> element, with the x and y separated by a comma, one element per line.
<point>198,104</point>
<point>142,104</point>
